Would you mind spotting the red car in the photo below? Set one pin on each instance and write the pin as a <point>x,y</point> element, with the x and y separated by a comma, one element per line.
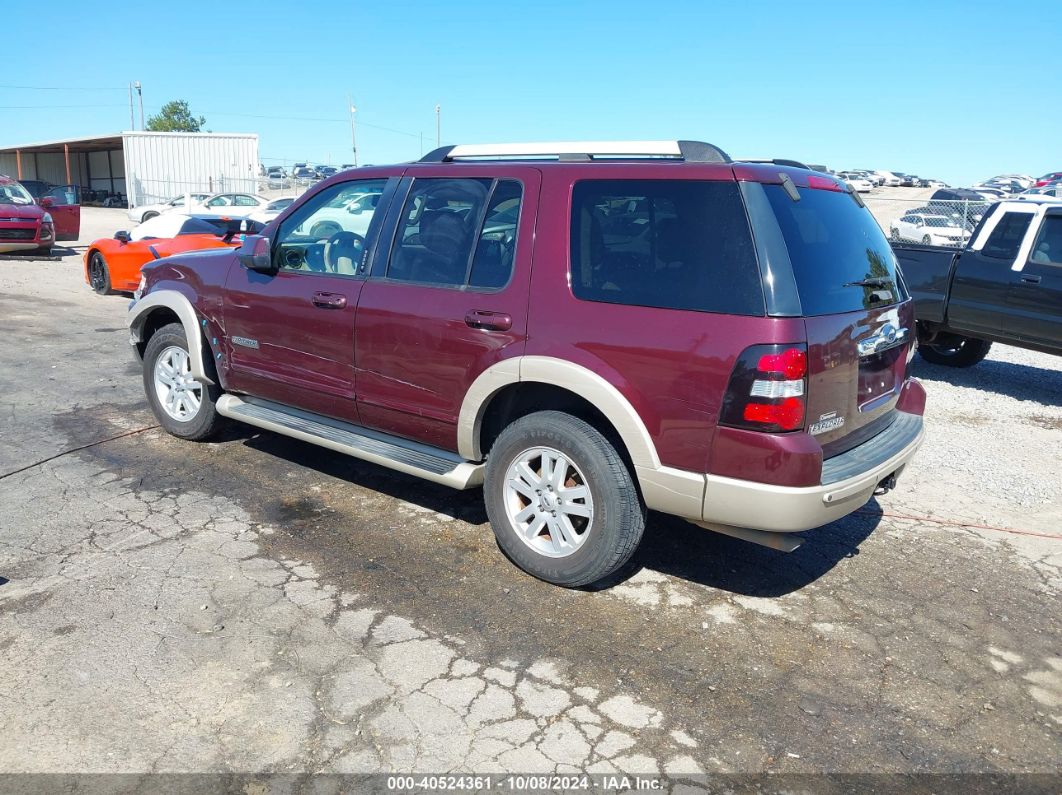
<point>588,330</point>
<point>112,264</point>
<point>1051,176</point>
<point>34,214</point>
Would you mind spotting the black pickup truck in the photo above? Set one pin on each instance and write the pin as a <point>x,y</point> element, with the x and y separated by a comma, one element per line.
<point>1005,286</point>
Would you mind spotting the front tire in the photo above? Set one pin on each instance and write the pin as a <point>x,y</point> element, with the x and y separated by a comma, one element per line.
<point>99,275</point>
<point>182,405</point>
<point>561,500</point>
<point>148,216</point>
<point>959,352</point>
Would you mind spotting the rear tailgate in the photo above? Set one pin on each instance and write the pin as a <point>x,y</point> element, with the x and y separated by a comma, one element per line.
<point>857,313</point>
<point>857,364</point>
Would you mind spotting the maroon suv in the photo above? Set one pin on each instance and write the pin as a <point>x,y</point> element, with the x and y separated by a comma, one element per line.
<point>588,330</point>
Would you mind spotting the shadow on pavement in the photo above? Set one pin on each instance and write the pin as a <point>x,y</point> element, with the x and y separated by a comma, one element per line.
<point>677,548</point>
<point>1018,381</point>
<point>670,545</point>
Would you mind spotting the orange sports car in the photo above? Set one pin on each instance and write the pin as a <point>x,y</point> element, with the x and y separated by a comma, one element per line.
<point>112,264</point>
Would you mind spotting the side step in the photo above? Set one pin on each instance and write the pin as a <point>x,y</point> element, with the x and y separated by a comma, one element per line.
<point>430,463</point>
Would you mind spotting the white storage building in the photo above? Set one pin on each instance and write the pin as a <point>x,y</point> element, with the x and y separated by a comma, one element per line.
<point>140,167</point>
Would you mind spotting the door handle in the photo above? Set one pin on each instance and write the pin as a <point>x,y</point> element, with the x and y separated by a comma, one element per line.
<point>329,300</point>
<point>1030,279</point>
<point>488,321</point>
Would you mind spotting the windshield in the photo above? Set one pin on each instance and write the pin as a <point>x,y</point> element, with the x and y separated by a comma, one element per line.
<point>841,259</point>
<point>13,193</point>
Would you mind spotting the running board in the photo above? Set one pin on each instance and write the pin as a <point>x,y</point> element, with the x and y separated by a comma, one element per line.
<point>413,458</point>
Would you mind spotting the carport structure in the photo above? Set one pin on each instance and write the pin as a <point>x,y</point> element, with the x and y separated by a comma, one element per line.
<point>140,167</point>
<point>96,162</point>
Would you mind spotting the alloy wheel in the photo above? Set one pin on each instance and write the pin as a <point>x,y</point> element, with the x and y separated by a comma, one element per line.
<point>548,502</point>
<point>179,394</point>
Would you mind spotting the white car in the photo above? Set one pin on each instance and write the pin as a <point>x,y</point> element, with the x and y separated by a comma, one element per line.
<point>348,211</point>
<point>859,183</point>
<point>927,229</point>
<point>140,214</point>
<point>271,210</point>
<point>229,205</point>
<point>888,179</point>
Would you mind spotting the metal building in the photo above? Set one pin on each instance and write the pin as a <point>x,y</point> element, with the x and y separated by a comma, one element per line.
<point>140,167</point>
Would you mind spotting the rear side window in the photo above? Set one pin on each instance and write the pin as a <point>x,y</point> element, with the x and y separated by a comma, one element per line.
<point>841,259</point>
<point>458,233</point>
<point>1006,238</point>
<point>673,244</point>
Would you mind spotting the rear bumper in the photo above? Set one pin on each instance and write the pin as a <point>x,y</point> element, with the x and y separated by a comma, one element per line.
<point>849,481</point>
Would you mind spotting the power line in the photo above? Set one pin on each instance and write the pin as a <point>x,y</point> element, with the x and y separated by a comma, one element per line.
<point>65,88</point>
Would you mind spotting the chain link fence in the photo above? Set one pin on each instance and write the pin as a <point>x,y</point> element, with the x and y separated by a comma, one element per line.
<point>925,220</point>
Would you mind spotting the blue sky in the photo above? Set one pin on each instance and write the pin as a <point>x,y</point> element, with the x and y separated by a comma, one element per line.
<point>954,90</point>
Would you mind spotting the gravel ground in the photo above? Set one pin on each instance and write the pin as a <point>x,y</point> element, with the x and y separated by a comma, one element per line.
<point>259,605</point>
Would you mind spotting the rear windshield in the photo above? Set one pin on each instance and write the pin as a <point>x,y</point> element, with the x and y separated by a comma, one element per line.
<point>673,244</point>
<point>841,259</point>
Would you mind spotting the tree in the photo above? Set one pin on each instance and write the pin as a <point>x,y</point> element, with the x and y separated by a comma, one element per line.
<point>175,117</point>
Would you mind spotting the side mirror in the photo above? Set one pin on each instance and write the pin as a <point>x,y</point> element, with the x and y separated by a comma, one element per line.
<point>47,202</point>
<point>122,237</point>
<point>255,254</point>
<point>355,209</point>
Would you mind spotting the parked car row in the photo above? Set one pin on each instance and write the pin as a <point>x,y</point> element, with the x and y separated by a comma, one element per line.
<point>864,180</point>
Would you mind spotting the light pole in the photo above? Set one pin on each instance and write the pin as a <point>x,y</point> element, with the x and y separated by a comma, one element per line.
<point>140,94</point>
<point>353,136</point>
<point>438,126</point>
<point>132,119</point>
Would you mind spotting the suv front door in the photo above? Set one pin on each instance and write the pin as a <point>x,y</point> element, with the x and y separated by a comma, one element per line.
<point>290,333</point>
<point>1035,295</point>
<point>448,300</point>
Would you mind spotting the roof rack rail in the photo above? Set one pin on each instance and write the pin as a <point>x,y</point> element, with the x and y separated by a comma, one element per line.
<point>779,161</point>
<point>582,151</point>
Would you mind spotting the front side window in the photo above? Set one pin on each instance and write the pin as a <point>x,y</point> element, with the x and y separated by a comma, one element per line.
<point>323,235</point>
<point>673,244</point>
<point>1006,238</point>
<point>1048,247</point>
<point>457,233</point>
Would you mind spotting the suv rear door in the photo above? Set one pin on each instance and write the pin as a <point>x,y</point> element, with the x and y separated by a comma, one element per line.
<point>858,316</point>
<point>449,297</point>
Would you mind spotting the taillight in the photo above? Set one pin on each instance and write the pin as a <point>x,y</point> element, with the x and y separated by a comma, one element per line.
<point>767,389</point>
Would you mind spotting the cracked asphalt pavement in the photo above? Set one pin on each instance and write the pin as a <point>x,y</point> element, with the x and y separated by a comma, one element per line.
<point>257,604</point>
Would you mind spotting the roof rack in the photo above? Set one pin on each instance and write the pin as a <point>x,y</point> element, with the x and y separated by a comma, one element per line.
<point>778,162</point>
<point>582,151</point>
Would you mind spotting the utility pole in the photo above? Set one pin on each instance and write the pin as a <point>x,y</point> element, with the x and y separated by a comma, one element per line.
<point>353,135</point>
<point>132,120</point>
<point>140,94</point>
<point>438,126</point>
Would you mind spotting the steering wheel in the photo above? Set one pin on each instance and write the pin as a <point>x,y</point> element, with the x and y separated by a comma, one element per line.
<point>343,245</point>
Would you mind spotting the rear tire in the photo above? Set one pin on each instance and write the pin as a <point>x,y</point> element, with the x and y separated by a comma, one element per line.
<point>184,407</point>
<point>99,275</point>
<point>963,352</point>
<point>588,499</point>
<point>927,241</point>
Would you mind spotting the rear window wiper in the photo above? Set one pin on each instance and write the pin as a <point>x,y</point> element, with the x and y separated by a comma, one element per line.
<point>873,281</point>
